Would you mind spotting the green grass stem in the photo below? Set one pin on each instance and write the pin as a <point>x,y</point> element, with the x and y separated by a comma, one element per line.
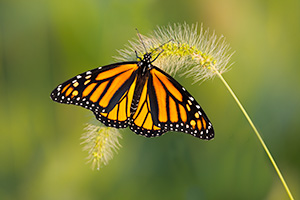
<point>257,134</point>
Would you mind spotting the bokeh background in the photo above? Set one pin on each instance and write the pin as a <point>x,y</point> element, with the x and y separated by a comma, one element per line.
<point>43,43</point>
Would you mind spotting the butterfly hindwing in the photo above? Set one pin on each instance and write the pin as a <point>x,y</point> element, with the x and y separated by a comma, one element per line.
<point>118,117</point>
<point>107,91</point>
<point>142,120</point>
<point>174,109</point>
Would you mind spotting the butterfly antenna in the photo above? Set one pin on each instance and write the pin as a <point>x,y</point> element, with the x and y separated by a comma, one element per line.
<point>157,56</point>
<point>161,50</point>
<point>136,54</point>
<point>140,37</point>
<point>163,45</point>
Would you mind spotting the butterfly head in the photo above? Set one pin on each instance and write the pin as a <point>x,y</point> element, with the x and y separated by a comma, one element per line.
<point>145,63</point>
<point>147,58</point>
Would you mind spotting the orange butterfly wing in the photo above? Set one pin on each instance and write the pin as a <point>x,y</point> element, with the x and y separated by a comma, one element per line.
<point>174,109</point>
<point>107,91</point>
<point>142,120</point>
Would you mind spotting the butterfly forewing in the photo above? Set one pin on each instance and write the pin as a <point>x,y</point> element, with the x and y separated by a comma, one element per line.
<point>107,91</point>
<point>175,109</point>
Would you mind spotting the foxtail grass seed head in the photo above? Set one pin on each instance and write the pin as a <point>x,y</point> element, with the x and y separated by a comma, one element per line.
<point>100,142</point>
<point>192,51</point>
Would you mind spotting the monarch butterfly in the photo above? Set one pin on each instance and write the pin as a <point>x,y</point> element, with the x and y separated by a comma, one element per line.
<point>139,95</point>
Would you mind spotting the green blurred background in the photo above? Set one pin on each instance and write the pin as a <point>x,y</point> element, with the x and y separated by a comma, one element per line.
<point>43,43</point>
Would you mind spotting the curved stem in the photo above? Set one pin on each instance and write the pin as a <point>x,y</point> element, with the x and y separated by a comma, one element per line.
<point>257,134</point>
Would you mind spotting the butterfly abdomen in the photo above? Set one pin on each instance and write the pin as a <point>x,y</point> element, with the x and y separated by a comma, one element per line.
<point>141,79</point>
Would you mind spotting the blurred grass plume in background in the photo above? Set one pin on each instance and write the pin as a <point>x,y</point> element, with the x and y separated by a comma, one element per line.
<point>101,143</point>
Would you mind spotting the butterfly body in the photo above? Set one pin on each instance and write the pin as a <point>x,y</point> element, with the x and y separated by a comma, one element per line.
<point>142,75</point>
<point>139,95</point>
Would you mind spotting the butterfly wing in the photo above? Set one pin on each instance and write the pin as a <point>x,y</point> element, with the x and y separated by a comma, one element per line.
<point>142,120</point>
<point>174,109</point>
<point>107,91</point>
